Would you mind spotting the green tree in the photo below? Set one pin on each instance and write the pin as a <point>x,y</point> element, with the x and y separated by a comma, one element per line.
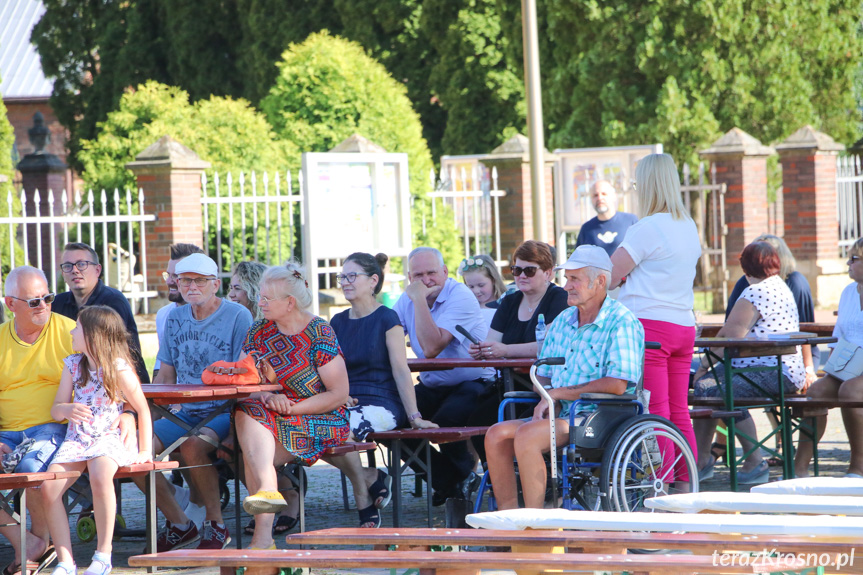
<point>228,133</point>
<point>328,89</point>
<point>7,141</point>
<point>681,72</point>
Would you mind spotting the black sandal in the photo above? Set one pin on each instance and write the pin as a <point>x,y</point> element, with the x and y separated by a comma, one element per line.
<point>283,524</point>
<point>719,451</point>
<point>370,514</point>
<point>379,491</point>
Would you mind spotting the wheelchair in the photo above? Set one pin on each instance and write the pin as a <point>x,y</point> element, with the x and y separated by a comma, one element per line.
<point>612,460</point>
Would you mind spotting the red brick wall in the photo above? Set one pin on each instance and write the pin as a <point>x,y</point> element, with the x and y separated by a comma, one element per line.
<point>809,182</point>
<point>745,200</point>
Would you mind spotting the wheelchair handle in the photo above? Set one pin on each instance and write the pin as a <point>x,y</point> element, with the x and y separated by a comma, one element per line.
<point>550,361</point>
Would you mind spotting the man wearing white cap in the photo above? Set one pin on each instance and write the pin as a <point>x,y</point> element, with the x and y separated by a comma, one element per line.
<point>207,330</point>
<point>603,343</point>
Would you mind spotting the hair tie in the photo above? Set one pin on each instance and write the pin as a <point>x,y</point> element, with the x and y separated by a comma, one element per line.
<point>299,276</point>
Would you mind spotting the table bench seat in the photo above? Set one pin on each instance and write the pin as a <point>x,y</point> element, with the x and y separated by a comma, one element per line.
<point>731,502</point>
<point>141,468</point>
<point>259,562</point>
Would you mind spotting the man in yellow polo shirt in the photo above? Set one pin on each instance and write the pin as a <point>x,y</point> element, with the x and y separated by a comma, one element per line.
<point>32,347</point>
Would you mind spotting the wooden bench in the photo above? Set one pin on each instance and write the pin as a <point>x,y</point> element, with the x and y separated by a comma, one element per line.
<point>731,502</point>
<point>21,482</point>
<point>548,541</point>
<point>297,475</point>
<point>400,443</point>
<point>267,562</point>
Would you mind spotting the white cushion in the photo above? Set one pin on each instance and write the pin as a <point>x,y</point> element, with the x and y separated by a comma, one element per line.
<point>514,519</point>
<point>729,502</point>
<point>849,486</point>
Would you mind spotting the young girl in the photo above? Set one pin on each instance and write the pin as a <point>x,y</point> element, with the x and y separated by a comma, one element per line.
<point>481,275</point>
<point>95,383</point>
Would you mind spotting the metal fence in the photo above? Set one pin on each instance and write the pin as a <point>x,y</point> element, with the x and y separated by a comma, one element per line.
<point>706,203</point>
<point>117,234</point>
<point>473,198</point>
<point>254,218</point>
<point>849,201</point>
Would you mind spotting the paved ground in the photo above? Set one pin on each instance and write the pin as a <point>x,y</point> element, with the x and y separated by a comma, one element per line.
<point>324,502</point>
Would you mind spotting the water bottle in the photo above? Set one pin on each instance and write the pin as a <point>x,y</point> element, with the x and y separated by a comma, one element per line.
<point>540,332</point>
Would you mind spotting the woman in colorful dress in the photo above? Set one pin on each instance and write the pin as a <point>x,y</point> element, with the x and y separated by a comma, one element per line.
<point>299,352</point>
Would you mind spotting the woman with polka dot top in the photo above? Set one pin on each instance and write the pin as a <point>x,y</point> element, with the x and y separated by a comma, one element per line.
<point>766,307</point>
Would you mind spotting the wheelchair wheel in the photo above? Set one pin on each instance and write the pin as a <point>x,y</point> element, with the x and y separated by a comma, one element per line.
<point>632,466</point>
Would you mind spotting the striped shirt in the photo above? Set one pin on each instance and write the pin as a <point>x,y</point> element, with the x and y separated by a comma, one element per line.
<point>611,346</point>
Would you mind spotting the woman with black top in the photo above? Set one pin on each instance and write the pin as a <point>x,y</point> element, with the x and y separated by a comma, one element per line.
<point>513,329</point>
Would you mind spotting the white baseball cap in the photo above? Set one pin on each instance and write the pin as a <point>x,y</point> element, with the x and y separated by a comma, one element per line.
<point>197,264</point>
<point>586,256</point>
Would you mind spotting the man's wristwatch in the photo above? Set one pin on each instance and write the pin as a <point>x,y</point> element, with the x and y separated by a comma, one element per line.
<point>415,415</point>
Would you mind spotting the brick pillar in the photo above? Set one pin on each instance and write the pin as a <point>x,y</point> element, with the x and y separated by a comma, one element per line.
<point>42,172</point>
<point>169,174</point>
<point>741,164</point>
<point>512,160</point>
<point>809,182</point>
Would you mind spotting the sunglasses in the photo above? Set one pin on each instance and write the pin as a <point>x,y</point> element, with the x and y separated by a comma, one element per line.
<point>528,271</point>
<point>48,299</point>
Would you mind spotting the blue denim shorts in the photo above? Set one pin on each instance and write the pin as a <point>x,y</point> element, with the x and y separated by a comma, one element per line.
<point>47,437</point>
<point>168,432</point>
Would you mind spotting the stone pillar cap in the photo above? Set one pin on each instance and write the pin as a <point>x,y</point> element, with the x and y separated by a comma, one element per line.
<point>171,153</point>
<point>808,138</point>
<point>357,144</point>
<point>517,147</point>
<point>736,142</point>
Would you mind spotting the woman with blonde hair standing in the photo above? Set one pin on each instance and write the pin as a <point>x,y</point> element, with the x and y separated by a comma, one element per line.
<point>655,266</point>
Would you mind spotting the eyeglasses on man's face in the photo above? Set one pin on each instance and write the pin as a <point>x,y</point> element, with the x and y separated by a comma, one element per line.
<point>852,259</point>
<point>349,277</point>
<point>200,282</point>
<point>34,302</point>
<point>528,271</point>
<point>166,276</point>
<point>81,265</point>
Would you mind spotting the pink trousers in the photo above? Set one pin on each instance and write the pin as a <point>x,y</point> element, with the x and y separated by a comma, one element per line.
<point>666,376</point>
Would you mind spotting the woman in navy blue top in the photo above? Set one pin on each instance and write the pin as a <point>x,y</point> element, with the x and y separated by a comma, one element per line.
<point>372,341</point>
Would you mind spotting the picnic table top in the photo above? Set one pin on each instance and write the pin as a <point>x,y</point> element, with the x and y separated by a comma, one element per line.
<point>162,393</point>
<point>434,435</point>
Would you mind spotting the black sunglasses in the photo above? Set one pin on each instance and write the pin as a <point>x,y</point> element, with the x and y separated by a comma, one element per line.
<point>529,271</point>
<point>48,299</point>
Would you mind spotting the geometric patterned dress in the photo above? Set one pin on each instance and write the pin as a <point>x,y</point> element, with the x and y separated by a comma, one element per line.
<point>295,359</point>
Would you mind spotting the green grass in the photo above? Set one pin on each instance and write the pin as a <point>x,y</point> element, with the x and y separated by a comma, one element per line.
<point>704,302</point>
<point>150,362</point>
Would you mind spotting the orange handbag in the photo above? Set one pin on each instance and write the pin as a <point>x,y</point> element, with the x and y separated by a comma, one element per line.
<point>241,372</point>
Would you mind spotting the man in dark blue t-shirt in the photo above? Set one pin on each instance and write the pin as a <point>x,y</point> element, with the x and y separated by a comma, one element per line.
<point>609,226</point>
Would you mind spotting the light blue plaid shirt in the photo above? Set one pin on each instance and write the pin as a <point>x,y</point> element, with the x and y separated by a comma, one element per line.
<point>611,346</point>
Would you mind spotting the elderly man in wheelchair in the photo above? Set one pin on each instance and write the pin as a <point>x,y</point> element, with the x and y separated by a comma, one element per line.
<point>602,344</point>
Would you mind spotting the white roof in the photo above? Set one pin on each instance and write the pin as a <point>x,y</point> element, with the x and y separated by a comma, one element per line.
<point>20,66</point>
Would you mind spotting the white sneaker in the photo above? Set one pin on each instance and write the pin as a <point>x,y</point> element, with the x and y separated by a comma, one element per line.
<point>196,513</point>
<point>181,494</point>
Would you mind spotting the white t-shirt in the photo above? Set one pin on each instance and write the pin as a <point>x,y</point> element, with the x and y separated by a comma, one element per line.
<point>849,322</point>
<point>778,310</point>
<point>161,318</point>
<point>665,252</point>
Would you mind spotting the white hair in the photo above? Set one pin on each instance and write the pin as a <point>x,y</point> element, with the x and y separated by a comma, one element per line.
<point>289,280</point>
<point>594,272</point>
<point>10,288</point>
<point>426,250</point>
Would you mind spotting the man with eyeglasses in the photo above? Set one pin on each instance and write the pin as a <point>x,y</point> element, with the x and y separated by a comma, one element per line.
<point>207,330</point>
<point>178,252</point>
<point>33,345</point>
<point>430,309</point>
<point>81,270</point>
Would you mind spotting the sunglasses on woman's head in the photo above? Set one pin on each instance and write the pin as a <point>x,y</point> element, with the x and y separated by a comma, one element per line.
<point>528,271</point>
